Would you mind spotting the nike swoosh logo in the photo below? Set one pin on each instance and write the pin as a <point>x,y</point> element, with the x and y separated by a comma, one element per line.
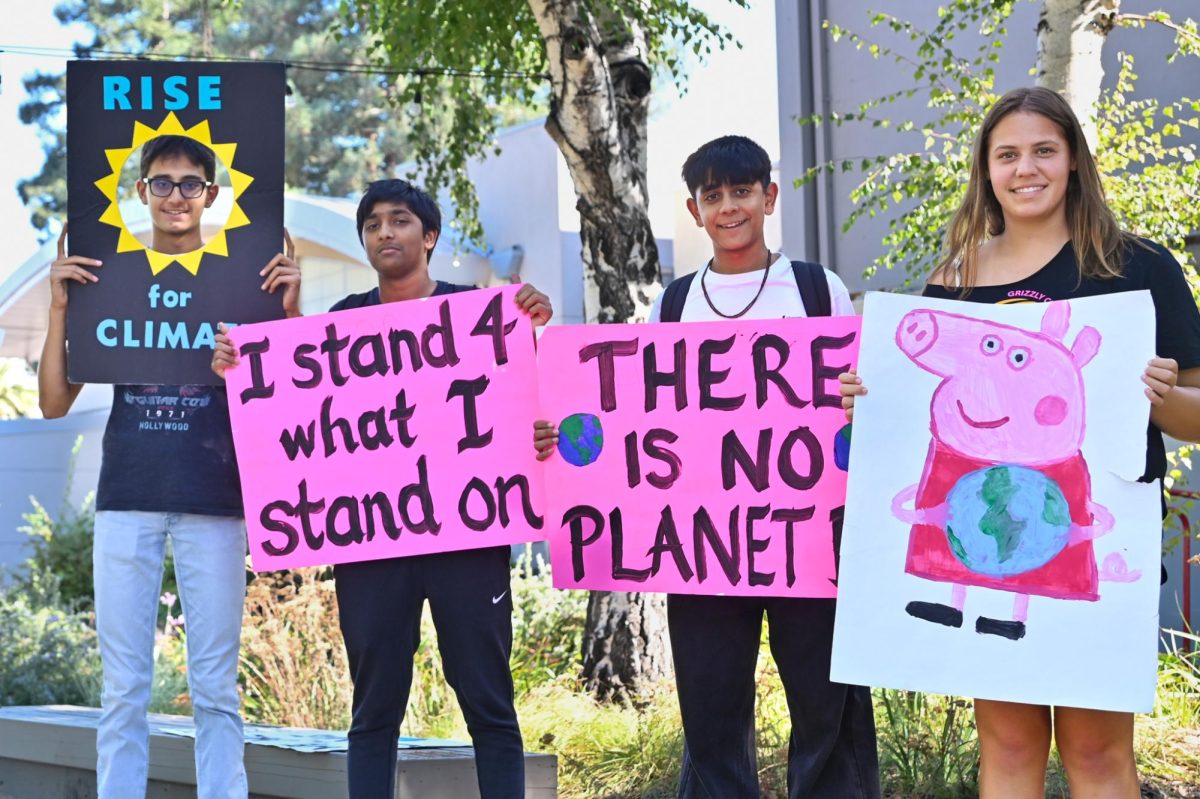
<point>496,599</point>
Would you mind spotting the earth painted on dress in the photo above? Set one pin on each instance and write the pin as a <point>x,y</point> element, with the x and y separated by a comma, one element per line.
<point>1006,520</point>
<point>580,439</point>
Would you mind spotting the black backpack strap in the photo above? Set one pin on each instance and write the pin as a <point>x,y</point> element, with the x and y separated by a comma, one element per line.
<point>814,288</point>
<point>674,296</point>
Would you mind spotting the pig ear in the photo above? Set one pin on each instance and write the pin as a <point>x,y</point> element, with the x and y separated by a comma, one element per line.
<point>1086,345</point>
<point>1057,320</point>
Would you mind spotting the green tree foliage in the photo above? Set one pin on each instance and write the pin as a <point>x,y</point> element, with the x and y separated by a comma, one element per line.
<point>463,56</point>
<point>1151,172</point>
<point>342,130</point>
<point>18,390</point>
<point>45,194</point>
<point>1150,169</point>
<point>921,187</point>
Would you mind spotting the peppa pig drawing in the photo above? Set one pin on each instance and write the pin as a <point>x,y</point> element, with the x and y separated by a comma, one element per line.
<point>1004,500</point>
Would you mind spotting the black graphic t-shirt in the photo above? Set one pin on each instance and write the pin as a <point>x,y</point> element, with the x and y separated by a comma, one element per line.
<point>368,298</point>
<point>1152,267</point>
<point>169,449</point>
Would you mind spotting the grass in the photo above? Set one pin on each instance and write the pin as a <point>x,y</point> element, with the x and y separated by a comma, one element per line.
<point>605,750</point>
<point>1168,740</point>
<point>927,743</point>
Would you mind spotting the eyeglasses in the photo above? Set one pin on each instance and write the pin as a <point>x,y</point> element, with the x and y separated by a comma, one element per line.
<point>188,189</point>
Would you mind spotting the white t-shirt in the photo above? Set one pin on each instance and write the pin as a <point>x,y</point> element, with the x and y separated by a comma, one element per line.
<point>780,298</point>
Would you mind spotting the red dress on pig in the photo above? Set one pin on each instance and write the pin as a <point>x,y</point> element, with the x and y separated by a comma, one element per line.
<point>1071,574</point>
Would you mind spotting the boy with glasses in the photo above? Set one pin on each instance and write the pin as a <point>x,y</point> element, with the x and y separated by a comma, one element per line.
<point>159,481</point>
<point>177,184</point>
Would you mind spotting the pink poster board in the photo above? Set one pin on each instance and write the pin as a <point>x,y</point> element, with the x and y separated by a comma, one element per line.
<point>399,429</point>
<point>697,458</point>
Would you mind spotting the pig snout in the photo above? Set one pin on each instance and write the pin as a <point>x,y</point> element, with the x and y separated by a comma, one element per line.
<point>916,333</point>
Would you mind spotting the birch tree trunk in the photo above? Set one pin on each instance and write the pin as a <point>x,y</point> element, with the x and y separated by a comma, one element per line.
<point>600,94</point>
<point>626,648</point>
<point>1070,38</point>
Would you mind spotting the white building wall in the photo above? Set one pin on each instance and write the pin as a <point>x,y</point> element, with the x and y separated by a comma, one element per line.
<point>324,281</point>
<point>519,195</point>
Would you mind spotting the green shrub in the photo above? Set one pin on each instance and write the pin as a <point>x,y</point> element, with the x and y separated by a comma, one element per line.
<point>47,627</point>
<point>547,626</point>
<point>1178,696</point>
<point>51,657</point>
<point>1168,740</point>
<point>49,654</point>
<point>58,570</point>
<point>59,566</point>
<point>293,660</point>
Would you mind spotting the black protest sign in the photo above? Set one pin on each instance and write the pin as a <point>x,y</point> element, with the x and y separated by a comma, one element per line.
<point>179,254</point>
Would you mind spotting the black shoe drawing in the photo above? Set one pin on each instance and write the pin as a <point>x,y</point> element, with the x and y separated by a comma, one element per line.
<point>936,613</point>
<point>1012,630</point>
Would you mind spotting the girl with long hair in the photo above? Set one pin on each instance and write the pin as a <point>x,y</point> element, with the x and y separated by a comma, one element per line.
<point>1034,226</point>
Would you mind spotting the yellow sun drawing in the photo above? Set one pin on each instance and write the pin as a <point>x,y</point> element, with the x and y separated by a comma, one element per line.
<point>112,216</point>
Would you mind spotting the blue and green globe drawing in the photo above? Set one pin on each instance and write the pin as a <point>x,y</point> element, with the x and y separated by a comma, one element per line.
<point>1006,520</point>
<point>841,448</point>
<point>580,439</point>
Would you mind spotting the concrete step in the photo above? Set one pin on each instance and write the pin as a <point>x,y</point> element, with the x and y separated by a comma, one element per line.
<point>50,751</point>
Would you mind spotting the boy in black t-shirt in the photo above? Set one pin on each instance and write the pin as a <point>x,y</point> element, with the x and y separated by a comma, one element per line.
<point>380,601</point>
<point>167,469</point>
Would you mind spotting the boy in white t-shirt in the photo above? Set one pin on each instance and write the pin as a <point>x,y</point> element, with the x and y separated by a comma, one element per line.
<point>715,639</point>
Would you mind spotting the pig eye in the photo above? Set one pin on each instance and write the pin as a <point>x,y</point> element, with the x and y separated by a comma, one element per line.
<point>990,345</point>
<point>1018,357</point>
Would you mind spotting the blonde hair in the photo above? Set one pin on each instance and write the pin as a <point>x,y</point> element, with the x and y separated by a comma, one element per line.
<point>1095,235</point>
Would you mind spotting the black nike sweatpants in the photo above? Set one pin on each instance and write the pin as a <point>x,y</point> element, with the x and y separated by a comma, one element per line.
<point>379,606</point>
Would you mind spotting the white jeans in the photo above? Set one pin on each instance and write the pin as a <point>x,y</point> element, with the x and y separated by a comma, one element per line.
<point>210,555</point>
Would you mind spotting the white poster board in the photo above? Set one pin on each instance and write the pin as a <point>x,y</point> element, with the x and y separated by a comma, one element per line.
<point>996,542</point>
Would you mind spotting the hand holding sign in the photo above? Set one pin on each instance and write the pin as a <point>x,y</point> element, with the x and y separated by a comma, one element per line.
<point>68,267</point>
<point>534,303</point>
<point>225,354</point>
<point>851,386</point>
<point>283,271</point>
<point>545,439</point>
